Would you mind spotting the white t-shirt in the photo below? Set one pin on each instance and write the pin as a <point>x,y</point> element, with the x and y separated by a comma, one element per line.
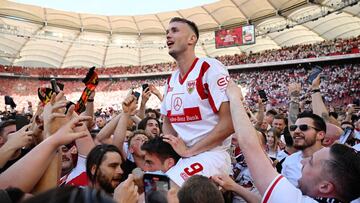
<point>357,147</point>
<point>281,190</point>
<point>291,168</point>
<point>192,103</point>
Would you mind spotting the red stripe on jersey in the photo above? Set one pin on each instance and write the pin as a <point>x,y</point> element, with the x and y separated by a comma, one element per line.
<point>182,80</point>
<point>199,84</point>
<point>267,195</point>
<point>190,115</point>
<point>80,180</point>
<point>211,100</point>
<point>168,80</point>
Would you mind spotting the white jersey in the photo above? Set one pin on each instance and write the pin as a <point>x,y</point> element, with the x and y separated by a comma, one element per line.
<point>196,98</point>
<point>291,167</point>
<point>281,190</point>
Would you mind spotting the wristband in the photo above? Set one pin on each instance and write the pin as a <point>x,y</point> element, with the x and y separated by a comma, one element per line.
<point>315,91</point>
<point>90,100</point>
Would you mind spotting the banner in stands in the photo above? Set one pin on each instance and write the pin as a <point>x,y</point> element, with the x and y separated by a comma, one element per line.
<point>235,37</point>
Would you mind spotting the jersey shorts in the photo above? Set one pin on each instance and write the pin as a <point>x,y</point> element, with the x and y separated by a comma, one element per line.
<point>207,164</point>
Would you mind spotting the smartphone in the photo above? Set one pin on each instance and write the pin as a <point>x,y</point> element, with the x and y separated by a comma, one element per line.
<point>314,73</point>
<point>263,96</point>
<point>156,187</point>
<point>54,86</point>
<point>345,136</point>
<point>137,95</point>
<point>144,86</point>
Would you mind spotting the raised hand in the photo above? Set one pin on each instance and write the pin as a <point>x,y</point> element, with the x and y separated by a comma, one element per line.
<point>129,105</point>
<point>145,96</point>
<point>66,134</point>
<point>53,114</point>
<point>127,191</point>
<point>177,144</point>
<point>20,138</point>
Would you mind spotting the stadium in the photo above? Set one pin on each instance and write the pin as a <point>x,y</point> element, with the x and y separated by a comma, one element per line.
<point>264,46</point>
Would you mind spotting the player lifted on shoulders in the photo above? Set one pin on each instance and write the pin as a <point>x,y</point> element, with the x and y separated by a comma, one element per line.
<point>197,121</point>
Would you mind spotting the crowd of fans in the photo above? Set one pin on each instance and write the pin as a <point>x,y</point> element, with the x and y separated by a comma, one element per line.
<point>325,48</point>
<point>339,87</point>
<point>292,146</point>
<point>109,161</point>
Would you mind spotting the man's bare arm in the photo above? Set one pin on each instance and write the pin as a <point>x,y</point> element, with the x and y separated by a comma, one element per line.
<point>223,129</point>
<point>260,167</point>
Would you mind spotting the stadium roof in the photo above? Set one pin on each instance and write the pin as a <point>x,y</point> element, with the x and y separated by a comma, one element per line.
<point>44,37</point>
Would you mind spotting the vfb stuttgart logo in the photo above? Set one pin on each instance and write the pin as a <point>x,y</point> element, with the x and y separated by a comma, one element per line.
<point>191,86</point>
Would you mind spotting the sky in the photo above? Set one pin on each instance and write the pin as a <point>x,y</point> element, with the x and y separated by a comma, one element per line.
<point>117,7</point>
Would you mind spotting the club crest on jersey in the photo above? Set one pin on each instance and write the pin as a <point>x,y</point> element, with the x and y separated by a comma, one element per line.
<point>191,86</point>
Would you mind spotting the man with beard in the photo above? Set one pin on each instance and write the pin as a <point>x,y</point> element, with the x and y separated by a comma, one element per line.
<point>330,172</point>
<point>103,168</point>
<point>307,133</point>
<point>67,156</point>
<point>150,125</point>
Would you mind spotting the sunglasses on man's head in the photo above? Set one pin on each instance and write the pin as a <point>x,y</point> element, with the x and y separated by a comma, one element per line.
<point>302,127</point>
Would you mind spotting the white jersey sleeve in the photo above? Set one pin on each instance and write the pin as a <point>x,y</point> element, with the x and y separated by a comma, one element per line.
<point>215,81</point>
<point>281,190</point>
<point>163,110</point>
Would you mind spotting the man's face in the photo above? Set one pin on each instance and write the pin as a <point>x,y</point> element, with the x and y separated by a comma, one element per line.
<point>151,115</point>
<point>6,131</point>
<point>269,118</point>
<point>264,125</point>
<point>152,128</point>
<point>178,35</point>
<point>109,173</point>
<point>312,172</point>
<point>304,139</point>
<point>135,145</point>
<point>67,158</point>
<point>279,124</point>
<point>100,122</point>
<point>153,163</point>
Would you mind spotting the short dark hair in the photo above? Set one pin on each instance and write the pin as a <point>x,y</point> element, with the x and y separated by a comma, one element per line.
<point>344,170</point>
<point>199,189</point>
<point>281,117</point>
<point>271,112</point>
<point>319,123</point>
<point>150,110</point>
<point>143,123</point>
<point>191,24</point>
<point>137,132</point>
<point>347,123</point>
<point>163,149</point>
<point>96,157</point>
<point>5,124</point>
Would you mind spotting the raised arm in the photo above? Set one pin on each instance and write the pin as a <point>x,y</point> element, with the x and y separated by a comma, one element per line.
<point>89,111</point>
<point>28,170</point>
<point>318,105</point>
<point>144,99</point>
<point>108,129</point>
<point>129,107</point>
<point>260,167</point>
<point>294,105</point>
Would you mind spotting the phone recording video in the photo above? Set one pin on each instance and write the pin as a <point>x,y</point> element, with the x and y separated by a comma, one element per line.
<point>137,95</point>
<point>345,136</point>
<point>263,96</point>
<point>314,73</point>
<point>156,187</point>
<point>144,86</point>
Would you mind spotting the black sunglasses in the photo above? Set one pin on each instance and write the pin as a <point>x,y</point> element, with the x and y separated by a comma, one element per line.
<point>302,127</point>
